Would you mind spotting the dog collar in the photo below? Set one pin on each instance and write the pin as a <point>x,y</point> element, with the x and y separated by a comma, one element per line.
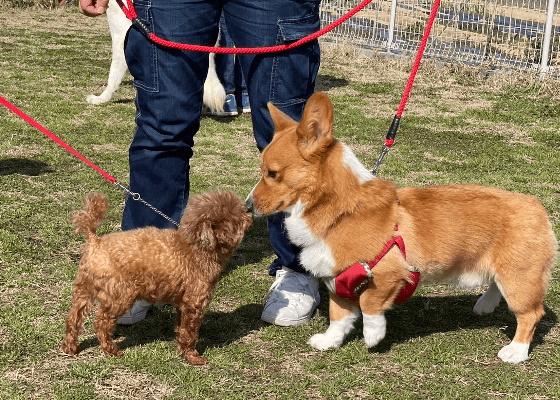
<point>351,282</point>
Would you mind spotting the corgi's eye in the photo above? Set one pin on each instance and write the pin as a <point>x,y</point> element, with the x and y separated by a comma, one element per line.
<point>272,174</point>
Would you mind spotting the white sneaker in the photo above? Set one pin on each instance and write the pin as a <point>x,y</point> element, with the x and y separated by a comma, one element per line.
<point>136,314</point>
<point>292,298</point>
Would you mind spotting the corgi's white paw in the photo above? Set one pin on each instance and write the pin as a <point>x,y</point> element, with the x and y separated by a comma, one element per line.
<point>324,341</point>
<point>514,352</point>
<point>488,301</point>
<point>375,328</point>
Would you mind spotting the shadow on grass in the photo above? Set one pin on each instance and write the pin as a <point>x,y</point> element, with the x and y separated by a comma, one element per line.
<point>218,328</point>
<point>22,166</point>
<point>325,82</point>
<point>423,316</point>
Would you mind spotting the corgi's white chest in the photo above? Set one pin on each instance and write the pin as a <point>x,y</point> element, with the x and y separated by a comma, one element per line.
<point>316,255</point>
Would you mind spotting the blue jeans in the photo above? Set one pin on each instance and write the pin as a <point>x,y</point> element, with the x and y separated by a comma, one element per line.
<point>169,86</point>
<point>228,67</point>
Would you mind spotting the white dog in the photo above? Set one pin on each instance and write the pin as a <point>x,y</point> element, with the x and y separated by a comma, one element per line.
<point>214,93</point>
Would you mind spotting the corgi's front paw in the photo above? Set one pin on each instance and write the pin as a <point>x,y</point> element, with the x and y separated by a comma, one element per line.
<point>375,328</point>
<point>324,341</point>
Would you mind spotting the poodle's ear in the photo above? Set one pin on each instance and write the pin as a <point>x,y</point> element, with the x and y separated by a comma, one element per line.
<point>199,234</point>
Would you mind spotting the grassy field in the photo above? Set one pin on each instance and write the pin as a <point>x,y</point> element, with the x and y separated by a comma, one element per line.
<point>458,128</point>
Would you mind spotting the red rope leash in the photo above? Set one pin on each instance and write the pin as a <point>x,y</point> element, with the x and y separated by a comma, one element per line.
<point>52,136</point>
<point>390,139</point>
<point>57,140</point>
<point>130,13</point>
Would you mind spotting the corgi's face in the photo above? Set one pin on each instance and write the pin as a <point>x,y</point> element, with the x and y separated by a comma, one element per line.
<point>291,163</point>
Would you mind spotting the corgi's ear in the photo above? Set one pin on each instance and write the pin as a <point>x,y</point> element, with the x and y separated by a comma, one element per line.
<point>315,130</point>
<point>281,120</point>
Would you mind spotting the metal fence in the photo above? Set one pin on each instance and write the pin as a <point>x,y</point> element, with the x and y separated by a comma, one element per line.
<point>515,33</point>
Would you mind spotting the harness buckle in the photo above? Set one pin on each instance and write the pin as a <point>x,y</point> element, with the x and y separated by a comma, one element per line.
<point>358,290</point>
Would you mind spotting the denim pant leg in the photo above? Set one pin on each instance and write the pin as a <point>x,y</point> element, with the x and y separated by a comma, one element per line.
<point>285,79</point>
<point>169,87</point>
<point>225,62</point>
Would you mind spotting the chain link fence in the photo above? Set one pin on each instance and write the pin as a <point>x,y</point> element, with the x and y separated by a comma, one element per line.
<point>511,33</point>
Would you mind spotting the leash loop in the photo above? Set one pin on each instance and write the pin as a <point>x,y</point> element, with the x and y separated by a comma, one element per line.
<point>130,12</point>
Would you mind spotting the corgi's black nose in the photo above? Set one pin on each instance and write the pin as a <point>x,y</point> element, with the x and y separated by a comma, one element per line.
<point>249,205</point>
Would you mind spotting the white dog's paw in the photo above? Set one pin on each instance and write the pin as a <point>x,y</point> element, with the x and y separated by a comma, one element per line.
<point>514,352</point>
<point>375,328</point>
<point>96,100</point>
<point>324,341</point>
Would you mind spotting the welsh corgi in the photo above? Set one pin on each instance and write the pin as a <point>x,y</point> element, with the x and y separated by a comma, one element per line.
<point>342,216</point>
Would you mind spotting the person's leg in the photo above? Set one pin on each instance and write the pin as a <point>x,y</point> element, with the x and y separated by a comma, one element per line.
<point>169,87</point>
<point>287,80</point>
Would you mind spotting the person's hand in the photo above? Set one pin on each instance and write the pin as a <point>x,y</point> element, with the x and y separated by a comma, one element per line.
<point>93,8</point>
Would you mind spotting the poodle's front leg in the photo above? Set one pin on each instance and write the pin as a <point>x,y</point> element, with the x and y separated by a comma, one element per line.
<point>190,319</point>
<point>343,314</point>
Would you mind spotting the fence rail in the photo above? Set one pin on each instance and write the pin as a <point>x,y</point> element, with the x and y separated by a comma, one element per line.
<point>514,33</point>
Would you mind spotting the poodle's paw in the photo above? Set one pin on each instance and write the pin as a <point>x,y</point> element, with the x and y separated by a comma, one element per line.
<point>112,350</point>
<point>70,347</point>
<point>514,352</point>
<point>324,341</point>
<point>192,357</point>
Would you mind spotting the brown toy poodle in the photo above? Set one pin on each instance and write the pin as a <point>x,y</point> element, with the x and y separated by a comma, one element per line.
<point>180,267</point>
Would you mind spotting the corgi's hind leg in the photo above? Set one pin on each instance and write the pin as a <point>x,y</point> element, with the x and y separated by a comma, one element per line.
<point>518,350</point>
<point>489,300</point>
<point>525,300</point>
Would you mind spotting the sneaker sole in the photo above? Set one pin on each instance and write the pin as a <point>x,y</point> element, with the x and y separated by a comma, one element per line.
<point>271,319</point>
<point>132,319</point>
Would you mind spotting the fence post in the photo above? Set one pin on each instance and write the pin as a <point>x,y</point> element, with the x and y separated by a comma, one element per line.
<point>547,36</point>
<point>392,24</point>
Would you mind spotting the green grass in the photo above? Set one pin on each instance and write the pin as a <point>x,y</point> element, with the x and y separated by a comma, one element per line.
<point>457,128</point>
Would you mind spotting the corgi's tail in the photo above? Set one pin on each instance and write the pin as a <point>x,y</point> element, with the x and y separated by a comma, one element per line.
<point>88,220</point>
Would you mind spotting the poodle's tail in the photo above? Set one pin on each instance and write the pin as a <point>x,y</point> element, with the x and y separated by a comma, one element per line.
<point>88,220</point>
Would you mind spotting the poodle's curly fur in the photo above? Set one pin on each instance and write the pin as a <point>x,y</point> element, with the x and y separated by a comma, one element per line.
<point>180,267</point>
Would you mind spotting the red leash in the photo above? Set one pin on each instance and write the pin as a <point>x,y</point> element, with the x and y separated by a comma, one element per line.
<point>130,13</point>
<point>390,139</point>
<point>57,140</point>
<point>52,136</point>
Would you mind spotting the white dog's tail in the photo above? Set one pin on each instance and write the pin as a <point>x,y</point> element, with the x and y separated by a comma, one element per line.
<point>88,220</point>
<point>214,92</point>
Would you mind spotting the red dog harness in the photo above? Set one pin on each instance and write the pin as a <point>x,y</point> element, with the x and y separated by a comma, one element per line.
<point>351,282</point>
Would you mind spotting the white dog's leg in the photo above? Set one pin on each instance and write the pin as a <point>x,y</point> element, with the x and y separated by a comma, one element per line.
<point>489,300</point>
<point>375,327</point>
<point>214,92</point>
<point>118,25</point>
<point>514,352</point>
<point>334,336</point>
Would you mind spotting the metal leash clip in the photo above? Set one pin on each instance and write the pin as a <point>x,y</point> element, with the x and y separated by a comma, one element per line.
<point>137,197</point>
<point>389,140</point>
